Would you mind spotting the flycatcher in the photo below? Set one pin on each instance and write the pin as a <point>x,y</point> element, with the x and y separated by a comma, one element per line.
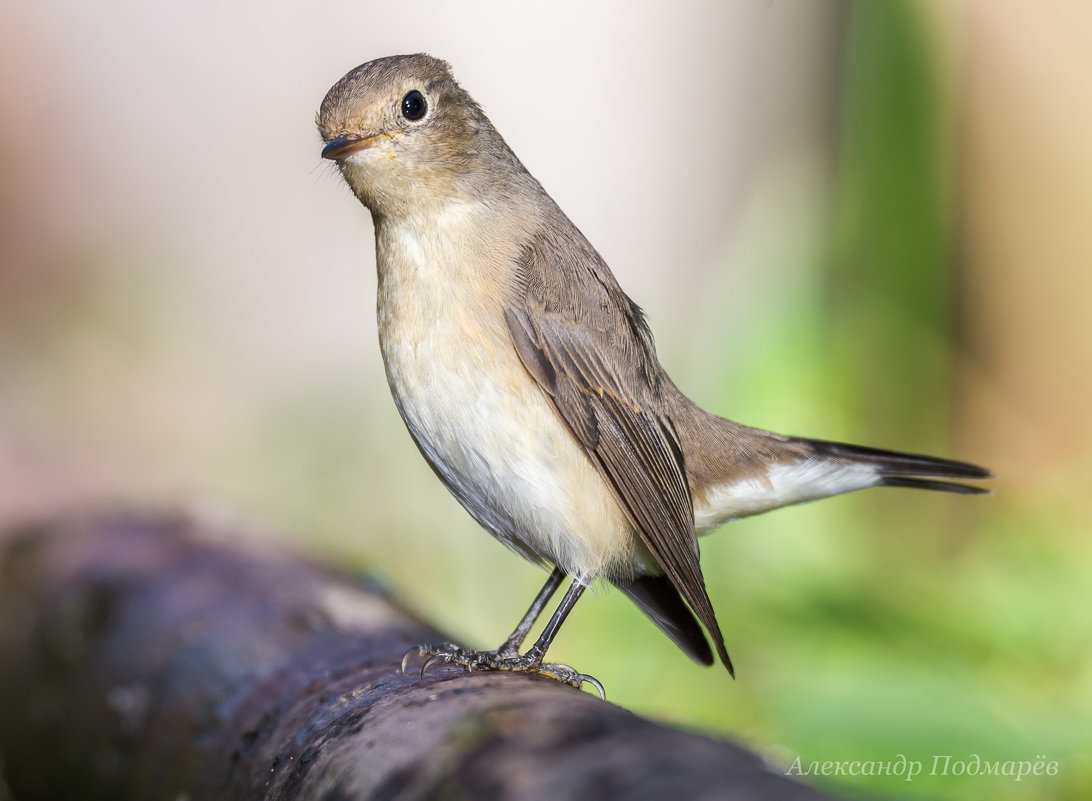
<point>529,380</point>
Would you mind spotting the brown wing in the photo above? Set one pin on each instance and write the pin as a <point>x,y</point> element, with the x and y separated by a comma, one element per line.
<point>588,348</point>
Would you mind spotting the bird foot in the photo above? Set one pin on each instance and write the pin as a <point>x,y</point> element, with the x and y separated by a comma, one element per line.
<point>502,659</point>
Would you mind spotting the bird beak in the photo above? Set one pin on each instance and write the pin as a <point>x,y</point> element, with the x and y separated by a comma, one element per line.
<point>341,147</point>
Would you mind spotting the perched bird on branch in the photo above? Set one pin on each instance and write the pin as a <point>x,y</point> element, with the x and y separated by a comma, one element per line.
<point>529,380</point>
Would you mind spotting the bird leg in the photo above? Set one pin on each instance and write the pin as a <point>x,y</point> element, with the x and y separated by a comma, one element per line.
<point>510,647</point>
<point>507,656</point>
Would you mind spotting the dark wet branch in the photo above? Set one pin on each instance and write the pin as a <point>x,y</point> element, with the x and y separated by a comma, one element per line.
<point>156,657</point>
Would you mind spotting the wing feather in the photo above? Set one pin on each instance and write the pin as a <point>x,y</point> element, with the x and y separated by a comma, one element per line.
<point>586,345</point>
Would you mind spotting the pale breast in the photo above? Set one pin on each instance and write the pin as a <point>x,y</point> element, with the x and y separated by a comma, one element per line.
<point>477,415</point>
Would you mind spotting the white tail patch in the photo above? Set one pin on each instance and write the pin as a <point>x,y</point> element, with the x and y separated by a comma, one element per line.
<point>783,485</point>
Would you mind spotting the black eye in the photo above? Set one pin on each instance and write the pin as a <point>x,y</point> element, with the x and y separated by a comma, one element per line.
<point>414,105</point>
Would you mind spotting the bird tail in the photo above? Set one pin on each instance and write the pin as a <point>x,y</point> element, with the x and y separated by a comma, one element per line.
<point>657,597</point>
<point>736,471</point>
<point>897,469</point>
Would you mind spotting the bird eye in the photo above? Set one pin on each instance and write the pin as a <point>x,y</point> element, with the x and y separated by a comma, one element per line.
<point>414,105</point>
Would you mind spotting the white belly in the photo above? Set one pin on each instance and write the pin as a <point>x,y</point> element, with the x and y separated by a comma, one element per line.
<point>483,423</point>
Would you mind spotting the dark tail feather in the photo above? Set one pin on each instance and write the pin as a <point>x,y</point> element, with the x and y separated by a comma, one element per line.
<point>657,597</point>
<point>924,483</point>
<point>899,469</point>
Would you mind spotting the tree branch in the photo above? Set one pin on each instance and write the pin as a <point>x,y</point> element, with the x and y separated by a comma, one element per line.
<point>146,657</point>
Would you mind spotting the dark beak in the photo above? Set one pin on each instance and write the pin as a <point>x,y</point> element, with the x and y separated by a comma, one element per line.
<point>341,147</point>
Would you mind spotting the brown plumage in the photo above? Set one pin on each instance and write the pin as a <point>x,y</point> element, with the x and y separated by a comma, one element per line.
<point>529,380</point>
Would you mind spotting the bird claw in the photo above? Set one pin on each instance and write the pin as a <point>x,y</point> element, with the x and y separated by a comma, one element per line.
<point>434,654</point>
<point>567,674</point>
<point>452,654</point>
<point>435,659</point>
<point>594,682</point>
<point>414,651</point>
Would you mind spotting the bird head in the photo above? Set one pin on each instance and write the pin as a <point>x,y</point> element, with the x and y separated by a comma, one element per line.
<point>403,132</point>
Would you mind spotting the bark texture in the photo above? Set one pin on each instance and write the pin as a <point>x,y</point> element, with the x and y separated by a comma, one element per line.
<point>158,657</point>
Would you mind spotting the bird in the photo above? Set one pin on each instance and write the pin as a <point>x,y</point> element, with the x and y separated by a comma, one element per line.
<point>530,383</point>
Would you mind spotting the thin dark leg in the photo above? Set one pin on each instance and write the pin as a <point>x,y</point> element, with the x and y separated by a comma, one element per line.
<point>510,647</point>
<point>572,595</point>
<point>507,657</point>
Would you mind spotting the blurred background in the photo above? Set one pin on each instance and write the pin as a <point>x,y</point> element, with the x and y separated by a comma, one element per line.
<point>861,221</point>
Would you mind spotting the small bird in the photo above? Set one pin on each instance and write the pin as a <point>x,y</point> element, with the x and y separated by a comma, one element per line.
<point>529,381</point>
